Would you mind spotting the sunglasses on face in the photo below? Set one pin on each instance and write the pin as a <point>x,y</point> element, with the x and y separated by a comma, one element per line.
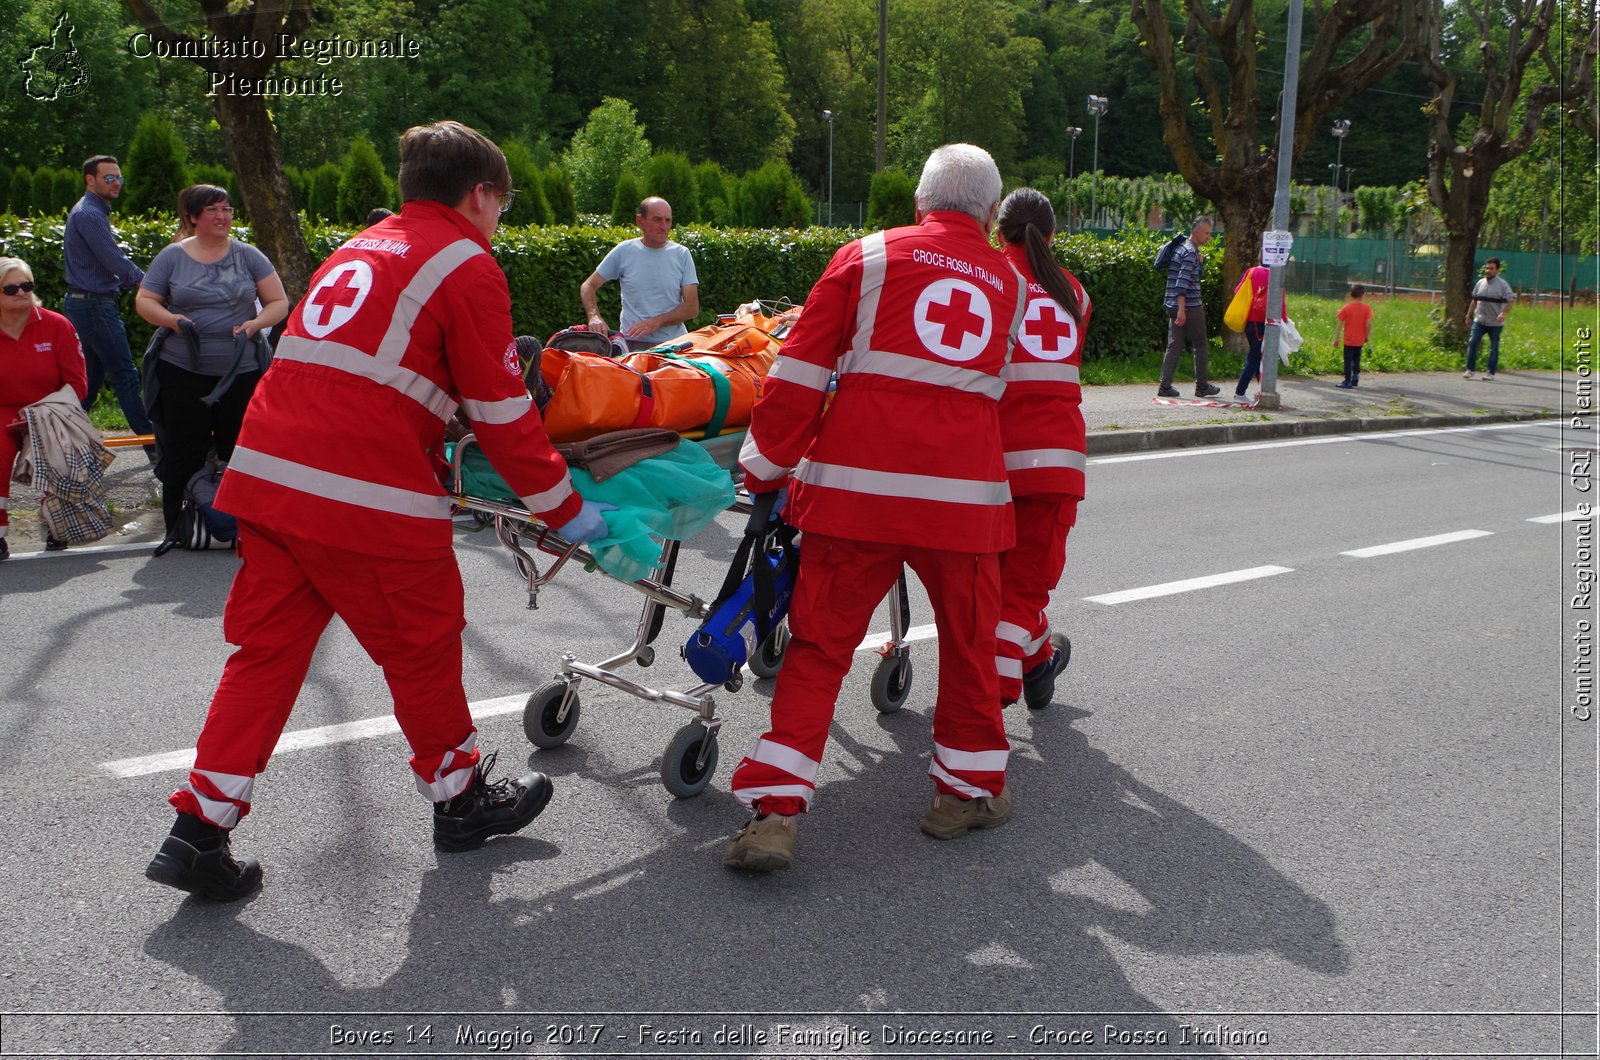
<point>26,287</point>
<point>112,178</point>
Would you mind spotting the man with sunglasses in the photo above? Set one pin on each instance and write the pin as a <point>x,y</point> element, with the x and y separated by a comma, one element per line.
<point>97,273</point>
<point>335,484</point>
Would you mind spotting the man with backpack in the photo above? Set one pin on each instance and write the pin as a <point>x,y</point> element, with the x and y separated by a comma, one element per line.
<point>1186,314</point>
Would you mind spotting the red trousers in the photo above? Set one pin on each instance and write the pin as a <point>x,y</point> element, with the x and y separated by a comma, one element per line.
<point>10,445</point>
<point>839,586</point>
<point>1029,572</point>
<point>407,614</point>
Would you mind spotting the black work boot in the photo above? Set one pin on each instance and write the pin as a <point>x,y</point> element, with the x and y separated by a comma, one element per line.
<point>196,858</point>
<point>1039,684</point>
<point>486,809</point>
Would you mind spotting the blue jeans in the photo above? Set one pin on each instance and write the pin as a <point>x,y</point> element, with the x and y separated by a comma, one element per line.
<point>106,355</point>
<point>1475,339</point>
<point>1254,332</point>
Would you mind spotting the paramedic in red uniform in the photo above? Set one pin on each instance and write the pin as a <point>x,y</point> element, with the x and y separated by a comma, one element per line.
<point>336,489</point>
<point>1041,426</point>
<point>904,466</point>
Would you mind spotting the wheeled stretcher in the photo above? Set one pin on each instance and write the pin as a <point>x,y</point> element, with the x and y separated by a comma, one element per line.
<point>552,711</point>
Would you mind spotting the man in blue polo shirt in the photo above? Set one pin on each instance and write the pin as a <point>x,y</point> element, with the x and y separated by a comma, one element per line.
<point>97,273</point>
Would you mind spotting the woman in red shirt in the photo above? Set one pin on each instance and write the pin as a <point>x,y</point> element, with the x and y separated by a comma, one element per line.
<point>39,354</point>
<point>1255,327</point>
<point>1042,430</point>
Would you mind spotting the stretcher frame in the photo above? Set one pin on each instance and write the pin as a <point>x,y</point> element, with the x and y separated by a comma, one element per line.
<point>551,713</point>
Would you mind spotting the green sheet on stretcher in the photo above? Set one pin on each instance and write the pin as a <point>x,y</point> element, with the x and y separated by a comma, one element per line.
<point>672,496</point>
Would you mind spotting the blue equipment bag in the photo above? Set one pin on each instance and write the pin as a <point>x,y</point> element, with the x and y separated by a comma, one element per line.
<point>754,598</point>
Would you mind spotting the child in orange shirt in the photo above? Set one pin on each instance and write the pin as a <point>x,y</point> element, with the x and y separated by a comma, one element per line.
<point>1355,325</point>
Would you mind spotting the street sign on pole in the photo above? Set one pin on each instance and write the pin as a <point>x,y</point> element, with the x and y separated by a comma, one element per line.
<point>1275,247</point>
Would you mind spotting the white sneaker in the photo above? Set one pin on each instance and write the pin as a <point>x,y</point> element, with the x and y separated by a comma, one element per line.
<point>1243,399</point>
<point>1469,374</point>
<point>1489,378</point>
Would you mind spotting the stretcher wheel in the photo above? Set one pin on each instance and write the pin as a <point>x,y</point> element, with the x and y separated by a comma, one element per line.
<point>891,683</point>
<point>541,719</point>
<point>768,659</point>
<point>678,771</point>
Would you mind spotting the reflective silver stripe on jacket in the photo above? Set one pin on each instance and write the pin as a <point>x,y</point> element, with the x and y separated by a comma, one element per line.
<point>899,484</point>
<point>327,484</point>
<point>418,388</point>
<point>751,460</point>
<point>935,373</point>
<point>804,373</point>
<point>874,267</point>
<point>1036,372</point>
<point>550,499</point>
<point>505,410</point>
<point>1006,666</point>
<point>383,367</point>
<point>1029,459</point>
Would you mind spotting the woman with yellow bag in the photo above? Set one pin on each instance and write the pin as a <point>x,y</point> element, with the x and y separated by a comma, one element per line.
<point>1247,312</point>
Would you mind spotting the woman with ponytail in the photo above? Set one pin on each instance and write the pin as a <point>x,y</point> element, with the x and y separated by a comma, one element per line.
<point>1041,425</point>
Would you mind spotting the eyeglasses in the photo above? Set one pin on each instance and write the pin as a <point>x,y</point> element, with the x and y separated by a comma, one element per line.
<point>26,287</point>
<point>111,178</point>
<point>221,207</point>
<point>506,197</point>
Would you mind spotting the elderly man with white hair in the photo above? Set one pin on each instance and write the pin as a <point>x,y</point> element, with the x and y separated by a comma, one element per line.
<point>904,466</point>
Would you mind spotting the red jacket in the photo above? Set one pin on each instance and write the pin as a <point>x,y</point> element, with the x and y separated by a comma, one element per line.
<point>40,361</point>
<point>918,323</point>
<point>1258,276</point>
<point>404,323</point>
<point>1041,415</point>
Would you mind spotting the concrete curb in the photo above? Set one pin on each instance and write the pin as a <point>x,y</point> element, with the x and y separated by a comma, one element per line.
<point>1102,443</point>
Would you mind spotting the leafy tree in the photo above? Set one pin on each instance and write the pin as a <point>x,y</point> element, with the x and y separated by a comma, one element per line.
<point>892,200</point>
<point>717,190</point>
<point>1515,55</point>
<point>531,206</point>
<point>5,186</point>
<point>611,143</point>
<point>625,203</point>
<point>558,190</point>
<point>499,97</point>
<point>1211,100</point>
<point>719,90</point>
<point>773,197</point>
<point>672,178</point>
<point>155,167</point>
<point>248,135</point>
<point>324,199</point>
<point>361,182</point>
<point>21,194</point>
<point>299,187</point>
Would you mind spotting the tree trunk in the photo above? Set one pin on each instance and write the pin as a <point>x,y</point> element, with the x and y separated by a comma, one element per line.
<point>1244,215</point>
<point>1460,248</point>
<point>252,145</point>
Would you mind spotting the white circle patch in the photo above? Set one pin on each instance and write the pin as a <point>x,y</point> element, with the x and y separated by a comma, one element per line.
<point>953,319</point>
<point>1048,332</point>
<point>336,299</point>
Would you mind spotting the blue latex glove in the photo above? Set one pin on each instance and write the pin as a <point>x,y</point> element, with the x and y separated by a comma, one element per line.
<point>588,524</point>
<point>781,503</point>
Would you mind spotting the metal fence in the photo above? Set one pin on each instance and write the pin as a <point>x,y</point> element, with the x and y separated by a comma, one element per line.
<point>1325,265</point>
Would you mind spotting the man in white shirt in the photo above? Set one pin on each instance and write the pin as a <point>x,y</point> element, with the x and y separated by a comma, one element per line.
<point>1486,312</point>
<point>660,289</point>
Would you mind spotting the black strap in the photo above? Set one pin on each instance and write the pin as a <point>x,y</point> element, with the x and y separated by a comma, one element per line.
<point>751,559</point>
<point>241,342</point>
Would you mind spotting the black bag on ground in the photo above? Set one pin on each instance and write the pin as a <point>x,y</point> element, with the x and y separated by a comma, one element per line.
<point>201,524</point>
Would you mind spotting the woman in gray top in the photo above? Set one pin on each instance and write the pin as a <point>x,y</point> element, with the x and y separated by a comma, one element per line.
<point>205,290</point>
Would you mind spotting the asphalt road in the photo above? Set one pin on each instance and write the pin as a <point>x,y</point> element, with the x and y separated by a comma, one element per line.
<point>1289,801</point>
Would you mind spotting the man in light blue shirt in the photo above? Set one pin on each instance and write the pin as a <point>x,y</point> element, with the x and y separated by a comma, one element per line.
<point>97,273</point>
<point>660,289</point>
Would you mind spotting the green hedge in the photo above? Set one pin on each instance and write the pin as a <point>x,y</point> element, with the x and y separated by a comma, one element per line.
<point>546,266</point>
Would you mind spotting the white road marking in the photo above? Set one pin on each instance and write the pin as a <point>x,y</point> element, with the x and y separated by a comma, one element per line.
<point>1188,585</point>
<point>306,739</point>
<point>87,550</point>
<point>1323,439</point>
<point>1561,517</point>
<point>1415,543</point>
<point>874,641</point>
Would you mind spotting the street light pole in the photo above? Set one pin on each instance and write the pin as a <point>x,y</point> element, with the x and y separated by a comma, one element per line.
<point>1073,132</point>
<point>828,117</point>
<point>1097,107</point>
<point>1341,129</point>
